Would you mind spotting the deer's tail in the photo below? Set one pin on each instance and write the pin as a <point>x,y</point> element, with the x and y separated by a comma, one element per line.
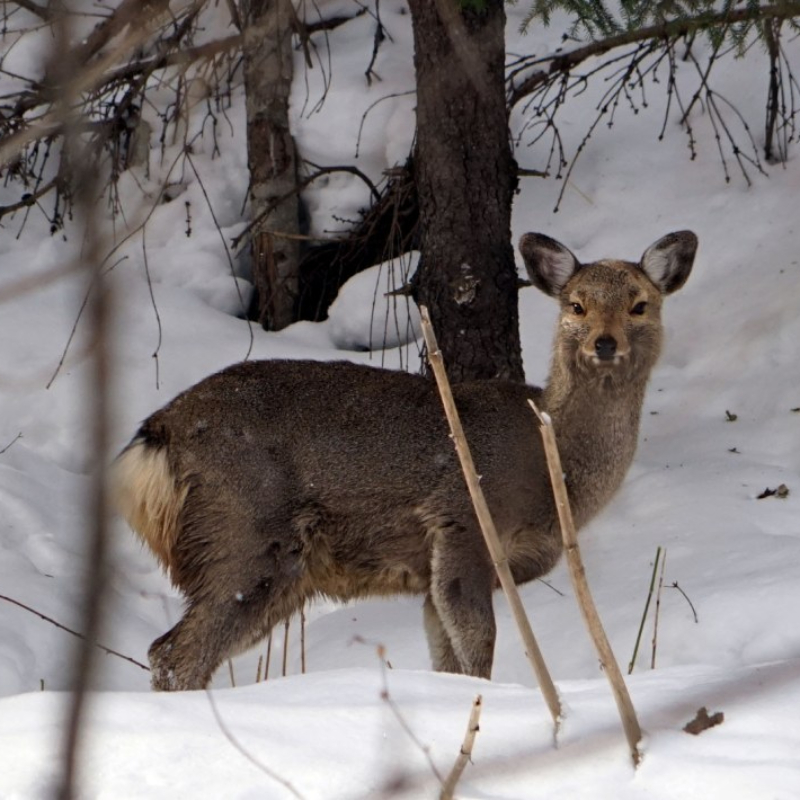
<point>147,494</point>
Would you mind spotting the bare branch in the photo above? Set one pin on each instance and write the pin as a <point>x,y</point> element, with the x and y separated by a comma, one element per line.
<point>178,58</point>
<point>43,12</point>
<point>58,625</point>
<point>380,35</point>
<point>276,201</point>
<point>128,12</point>
<point>331,23</point>
<point>54,122</point>
<point>29,198</point>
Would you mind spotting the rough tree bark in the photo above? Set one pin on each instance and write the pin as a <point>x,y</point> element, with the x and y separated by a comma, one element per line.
<point>271,158</point>
<point>466,177</point>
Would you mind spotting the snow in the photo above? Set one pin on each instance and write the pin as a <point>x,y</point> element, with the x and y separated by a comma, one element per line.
<point>357,721</point>
<point>366,316</point>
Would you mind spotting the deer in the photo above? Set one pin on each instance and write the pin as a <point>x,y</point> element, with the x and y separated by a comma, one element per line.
<point>274,482</point>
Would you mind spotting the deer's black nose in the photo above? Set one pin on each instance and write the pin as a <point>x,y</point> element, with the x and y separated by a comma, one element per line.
<point>606,348</point>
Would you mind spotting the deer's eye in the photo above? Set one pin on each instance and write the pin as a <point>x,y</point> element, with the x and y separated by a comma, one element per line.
<point>639,308</point>
<point>577,309</point>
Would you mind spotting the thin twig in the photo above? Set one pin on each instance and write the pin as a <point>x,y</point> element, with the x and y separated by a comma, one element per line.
<point>551,587</point>
<point>146,264</point>
<point>249,756</point>
<point>73,331</point>
<point>464,756</point>
<point>488,529</point>
<point>577,573</point>
<point>370,107</point>
<point>674,585</point>
<point>387,698</point>
<point>102,647</point>
<point>632,662</point>
<point>658,608</point>
<point>11,443</point>
<point>227,254</point>
<point>57,274</point>
<point>380,35</point>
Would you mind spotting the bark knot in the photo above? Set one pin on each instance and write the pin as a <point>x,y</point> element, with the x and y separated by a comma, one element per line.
<point>465,286</point>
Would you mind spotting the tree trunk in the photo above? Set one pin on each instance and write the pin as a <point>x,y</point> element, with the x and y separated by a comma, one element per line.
<point>466,177</point>
<point>274,202</point>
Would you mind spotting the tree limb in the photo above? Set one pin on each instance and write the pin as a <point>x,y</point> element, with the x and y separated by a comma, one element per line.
<point>563,62</point>
<point>28,199</point>
<point>43,12</point>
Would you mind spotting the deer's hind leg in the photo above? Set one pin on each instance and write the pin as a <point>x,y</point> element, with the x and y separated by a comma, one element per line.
<point>443,656</point>
<point>239,582</point>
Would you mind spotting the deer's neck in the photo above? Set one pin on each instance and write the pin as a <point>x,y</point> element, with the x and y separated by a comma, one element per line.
<point>597,425</point>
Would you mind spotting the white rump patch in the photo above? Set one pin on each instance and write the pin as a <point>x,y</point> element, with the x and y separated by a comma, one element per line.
<point>145,493</point>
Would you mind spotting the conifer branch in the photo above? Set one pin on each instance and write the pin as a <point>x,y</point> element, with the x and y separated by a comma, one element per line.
<point>668,31</point>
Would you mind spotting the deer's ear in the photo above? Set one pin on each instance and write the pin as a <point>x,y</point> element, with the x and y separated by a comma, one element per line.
<point>669,261</point>
<point>549,264</point>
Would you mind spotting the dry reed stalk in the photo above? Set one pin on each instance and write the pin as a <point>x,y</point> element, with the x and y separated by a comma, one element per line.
<point>488,529</point>
<point>465,753</point>
<point>285,664</point>
<point>303,640</point>
<point>269,656</point>
<point>608,662</point>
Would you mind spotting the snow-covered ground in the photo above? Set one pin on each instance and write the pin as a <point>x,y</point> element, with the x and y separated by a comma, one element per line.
<point>357,722</point>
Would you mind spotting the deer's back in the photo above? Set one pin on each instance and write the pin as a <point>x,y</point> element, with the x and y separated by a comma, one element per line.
<point>359,455</point>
